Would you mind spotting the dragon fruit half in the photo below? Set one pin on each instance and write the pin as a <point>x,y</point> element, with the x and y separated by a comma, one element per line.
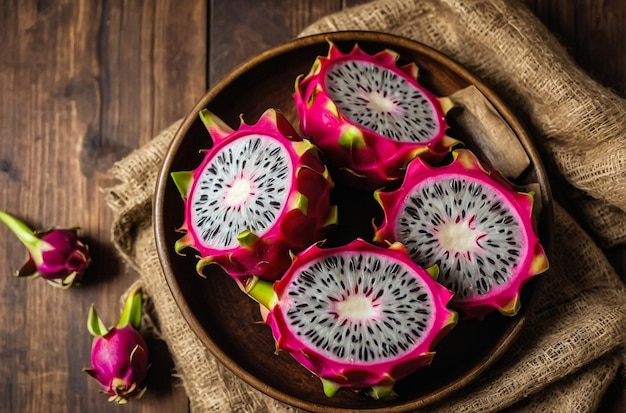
<point>260,194</point>
<point>471,223</point>
<point>358,316</point>
<point>369,116</point>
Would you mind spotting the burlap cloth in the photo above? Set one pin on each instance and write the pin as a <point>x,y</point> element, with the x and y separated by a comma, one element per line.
<point>572,347</point>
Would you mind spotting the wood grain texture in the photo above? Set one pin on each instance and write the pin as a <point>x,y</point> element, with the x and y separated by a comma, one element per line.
<point>82,84</point>
<point>593,32</point>
<point>240,29</point>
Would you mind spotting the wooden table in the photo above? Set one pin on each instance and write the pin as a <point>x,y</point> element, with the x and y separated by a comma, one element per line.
<point>83,84</point>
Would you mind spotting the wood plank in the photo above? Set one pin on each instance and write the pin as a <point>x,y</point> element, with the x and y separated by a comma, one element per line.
<point>240,29</point>
<point>82,84</point>
<point>594,34</point>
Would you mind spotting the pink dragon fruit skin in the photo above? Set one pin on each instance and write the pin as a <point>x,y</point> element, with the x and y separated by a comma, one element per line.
<point>376,377</point>
<point>119,356</point>
<point>361,156</point>
<point>69,255</point>
<point>121,359</point>
<point>467,246</point>
<point>302,220</point>
<point>56,255</point>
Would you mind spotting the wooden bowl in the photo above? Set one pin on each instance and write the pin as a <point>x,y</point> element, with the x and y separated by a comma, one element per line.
<point>225,320</point>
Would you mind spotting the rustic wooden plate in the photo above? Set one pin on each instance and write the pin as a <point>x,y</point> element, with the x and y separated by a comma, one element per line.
<point>224,319</point>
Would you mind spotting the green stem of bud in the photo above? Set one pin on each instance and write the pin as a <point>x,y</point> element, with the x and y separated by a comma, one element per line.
<point>25,235</point>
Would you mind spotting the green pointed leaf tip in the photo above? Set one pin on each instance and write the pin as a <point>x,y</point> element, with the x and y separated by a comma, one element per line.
<point>24,234</point>
<point>352,138</point>
<point>247,238</point>
<point>64,284</point>
<point>182,243</point>
<point>333,216</point>
<point>301,202</point>
<point>303,146</point>
<point>204,262</point>
<point>183,181</point>
<point>446,104</point>
<point>433,271</point>
<point>216,127</point>
<point>262,291</point>
<point>205,117</point>
<point>95,326</point>
<point>330,388</point>
<point>296,84</point>
<point>131,314</point>
<point>382,393</point>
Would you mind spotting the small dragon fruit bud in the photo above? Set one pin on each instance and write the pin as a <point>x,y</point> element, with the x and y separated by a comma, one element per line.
<point>56,255</point>
<point>119,356</point>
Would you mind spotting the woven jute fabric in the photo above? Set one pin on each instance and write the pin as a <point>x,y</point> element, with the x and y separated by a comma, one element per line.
<point>572,347</point>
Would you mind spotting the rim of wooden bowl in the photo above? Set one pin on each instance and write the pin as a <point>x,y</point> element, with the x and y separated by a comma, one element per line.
<point>165,250</point>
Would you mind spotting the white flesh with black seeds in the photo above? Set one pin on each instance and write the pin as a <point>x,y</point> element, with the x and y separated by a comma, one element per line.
<point>465,228</point>
<point>243,187</point>
<point>382,101</point>
<point>358,307</point>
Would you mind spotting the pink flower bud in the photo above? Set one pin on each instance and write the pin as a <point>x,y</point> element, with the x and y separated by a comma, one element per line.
<point>119,356</point>
<point>57,255</point>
